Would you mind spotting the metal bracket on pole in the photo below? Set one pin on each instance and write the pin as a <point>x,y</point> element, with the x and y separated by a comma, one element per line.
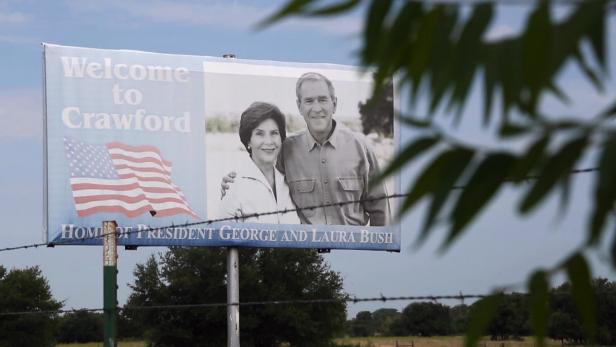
<point>110,279</point>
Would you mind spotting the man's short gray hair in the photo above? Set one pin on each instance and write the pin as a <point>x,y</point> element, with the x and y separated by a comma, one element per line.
<point>314,76</point>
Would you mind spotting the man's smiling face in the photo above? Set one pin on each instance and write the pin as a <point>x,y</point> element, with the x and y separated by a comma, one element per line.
<point>317,107</point>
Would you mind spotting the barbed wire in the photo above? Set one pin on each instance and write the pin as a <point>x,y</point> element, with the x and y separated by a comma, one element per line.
<point>72,241</point>
<point>347,299</point>
<point>354,300</point>
<point>24,313</point>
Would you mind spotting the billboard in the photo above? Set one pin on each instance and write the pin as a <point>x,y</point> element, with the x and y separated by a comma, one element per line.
<point>148,139</point>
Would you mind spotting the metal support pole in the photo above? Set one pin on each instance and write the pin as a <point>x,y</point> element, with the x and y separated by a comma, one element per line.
<point>233,297</point>
<point>110,279</point>
<point>233,286</point>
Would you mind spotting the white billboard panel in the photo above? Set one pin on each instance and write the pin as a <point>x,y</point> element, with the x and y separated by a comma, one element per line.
<point>145,139</point>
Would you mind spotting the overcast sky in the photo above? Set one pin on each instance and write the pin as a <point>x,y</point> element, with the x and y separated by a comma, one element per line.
<point>499,249</point>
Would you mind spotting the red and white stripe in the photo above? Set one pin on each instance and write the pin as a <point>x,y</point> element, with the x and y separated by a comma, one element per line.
<point>144,185</point>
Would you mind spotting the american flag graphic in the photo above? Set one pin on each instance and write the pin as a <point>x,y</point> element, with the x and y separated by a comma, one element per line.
<point>120,178</point>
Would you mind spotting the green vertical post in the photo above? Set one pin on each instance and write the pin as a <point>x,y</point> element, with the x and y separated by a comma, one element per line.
<point>110,280</point>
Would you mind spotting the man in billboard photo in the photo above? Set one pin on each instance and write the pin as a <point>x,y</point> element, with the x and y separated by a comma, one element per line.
<point>329,165</point>
<point>260,187</point>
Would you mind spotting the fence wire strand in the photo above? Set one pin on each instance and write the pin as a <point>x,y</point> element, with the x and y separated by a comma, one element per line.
<point>460,297</point>
<point>354,300</point>
<point>253,215</point>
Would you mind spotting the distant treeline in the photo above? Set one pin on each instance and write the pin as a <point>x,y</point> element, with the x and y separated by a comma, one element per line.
<point>231,123</point>
<point>295,123</point>
<point>511,320</point>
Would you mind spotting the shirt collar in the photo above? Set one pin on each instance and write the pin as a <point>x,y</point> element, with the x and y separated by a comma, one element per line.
<point>252,171</point>
<point>333,140</point>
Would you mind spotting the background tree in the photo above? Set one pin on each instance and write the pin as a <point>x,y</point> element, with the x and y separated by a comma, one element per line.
<point>434,48</point>
<point>188,276</point>
<point>565,321</point>
<point>376,113</point>
<point>362,324</point>
<point>383,319</point>
<point>459,318</point>
<point>80,326</point>
<point>566,328</point>
<point>26,290</point>
<point>427,319</point>
<point>399,328</point>
<point>511,318</point>
<point>606,301</point>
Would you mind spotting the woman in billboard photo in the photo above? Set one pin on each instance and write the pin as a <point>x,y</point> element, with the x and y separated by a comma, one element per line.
<point>260,188</point>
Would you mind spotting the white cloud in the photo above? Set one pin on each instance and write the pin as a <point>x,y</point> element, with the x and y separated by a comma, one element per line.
<point>219,13</point>
<point>21,115</point>
<point>16,39</point>
<point>347,25</point>
<point>12,18</point>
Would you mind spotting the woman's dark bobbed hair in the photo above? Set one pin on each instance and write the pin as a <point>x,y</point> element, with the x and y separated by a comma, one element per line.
<point>254,115</point>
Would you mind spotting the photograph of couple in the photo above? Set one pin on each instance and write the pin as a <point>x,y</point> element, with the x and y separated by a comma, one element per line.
<point>308,163</point>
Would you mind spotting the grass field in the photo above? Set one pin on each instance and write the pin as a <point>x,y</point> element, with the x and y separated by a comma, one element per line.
<point>100,344</point>
<point>437,341</point>
<point>406,341</point>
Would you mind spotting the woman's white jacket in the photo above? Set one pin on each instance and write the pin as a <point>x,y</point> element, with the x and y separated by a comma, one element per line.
<point>251,194</point>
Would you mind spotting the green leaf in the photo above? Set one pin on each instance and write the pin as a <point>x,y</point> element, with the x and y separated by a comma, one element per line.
<point>558,93</point>
<point>422,44</point>
<point>490,77</point>
<point>292,7</point>
<point>555,168</point>
<point>588,71</point>
<point>440,68</point>
<point>480,317</point>
<point>467,51</point>
<point>566,124</point>
<point>433,179</point>
<point>415,122</point>
<point>334,9</point>
<point>449,174</point>
<point>609,112</point>
<point>597,29</point>
<point>373,29</point>
<point>509,130</point>
<point>396,44</point>
<point>605,188</point>
<point>408,154</point>
<point>529,161</point>
<point>539,305</point>
<point>583,294</point>
<point>479,190</point>
<point>565,192</point>
<point>508,59</point>
<point>613,252</point>
<point>536,49</point>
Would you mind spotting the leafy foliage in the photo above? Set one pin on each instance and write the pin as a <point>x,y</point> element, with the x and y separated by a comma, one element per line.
<point>383,319</point>
<point>26,290</point>
<point>188,276</point>
<point>442,50</point>
<point>377,112</point>
<point>510,318</point>
<point>426,319</point>
<point>565,322</point>
<point>80,326</point>
<point>362,325</point>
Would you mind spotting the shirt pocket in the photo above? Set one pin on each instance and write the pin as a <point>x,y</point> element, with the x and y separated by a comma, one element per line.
<point>351,189</point>
<point>304,195</point>
<point>351,184</point>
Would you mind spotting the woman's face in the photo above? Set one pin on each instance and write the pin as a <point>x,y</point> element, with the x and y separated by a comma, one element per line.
<point>265,143</point>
